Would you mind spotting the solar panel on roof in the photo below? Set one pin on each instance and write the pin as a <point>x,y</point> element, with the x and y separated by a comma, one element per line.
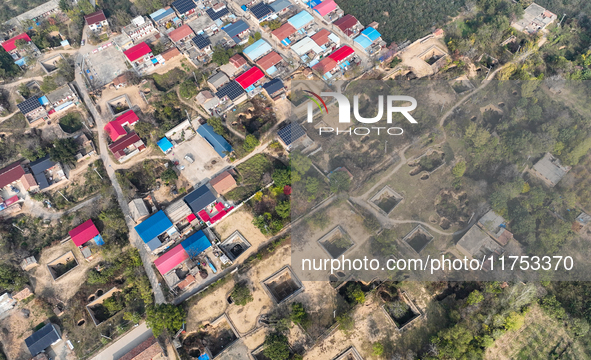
<point>291,133</point>
<point>201,41</point>
<point>232,90</point>
<point>214,15</point>
<point>273,86</point>
<point>260,10</point>
<point>29,105</point>
<point>182,6</point>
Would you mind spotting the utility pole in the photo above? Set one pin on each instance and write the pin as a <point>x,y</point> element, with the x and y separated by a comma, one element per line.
<point>106,337</point>
<point>98,173</point>
<point>194,77</point>
<point>63,196</point>
<point>16,226</point>
<point>386,147</point>
<point>560,23</point>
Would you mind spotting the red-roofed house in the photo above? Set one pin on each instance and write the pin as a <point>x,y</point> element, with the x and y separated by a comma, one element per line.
<point>171,259</point>
<point>342,54</point>
<point>321,37</point>
<point>250,77</point>
<point>284,31</point>
<point>96,21</point>
<point>349,25</point>
<point>115,130</point>
<point>269,61</point>
<point>10,44</point>
<point>325,65</point>
<point>181,34</point>
<point>85,232</point>
<point>139,54</point>
<point>11,174</point>
<point>127,119</point>
<point>147,350</point>
<point>325,7</point>
<point>238,61</point>
<point>127,146</point>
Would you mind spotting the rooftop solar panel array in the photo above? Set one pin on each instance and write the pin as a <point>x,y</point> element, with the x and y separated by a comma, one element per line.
<point>182,6</point>
<point>214,15</point>
<point>232,90</point>
<point>29,105</point>
<point>201,41</point>
<point>291,133</point>
<point>261,10</point>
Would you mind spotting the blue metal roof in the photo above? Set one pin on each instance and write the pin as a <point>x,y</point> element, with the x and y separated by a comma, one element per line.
<point>152,227</point>
<point>371,33</point>
<point>196,244</point>
<point>157,13</point>
<point>165,145</point>
<point>43,100</point>
<point>363,41</point>
<point>300,19</point>
<point>273,86</point>
<point>236,28</point>
<point>313,3</point>
<point>220,145</point>
<point>279,5</point>
<point>258,49</point>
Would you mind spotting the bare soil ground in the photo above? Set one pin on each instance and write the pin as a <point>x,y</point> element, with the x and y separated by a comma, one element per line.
<point>241,220</point>
<point>132,92</point>
<point>66,286</point>
<point>410,56</point>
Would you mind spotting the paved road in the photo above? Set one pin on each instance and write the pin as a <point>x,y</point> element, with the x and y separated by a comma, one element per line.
<point>125,344</point>
<point>133,237</point>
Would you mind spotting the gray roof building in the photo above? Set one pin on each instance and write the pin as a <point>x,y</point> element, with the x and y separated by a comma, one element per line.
<point>138,210</point>
<point>476,244</point>
<point>207,100</point>
<point>550,170</point>
<point>61,94</point>
<point>42,339</point>
<point>217,80</point>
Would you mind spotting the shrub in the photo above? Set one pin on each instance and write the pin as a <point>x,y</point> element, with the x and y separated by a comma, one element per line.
<point>241,295</point>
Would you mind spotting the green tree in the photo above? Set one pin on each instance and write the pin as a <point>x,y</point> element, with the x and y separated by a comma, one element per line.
<point>241,294</point>
<point>300,162</point>
<point>377,349</point>
<point>276,347</point>
<point>24,90</point>
<point>169,175</point>
<point>216,124</point>
<point>64,151</point>
<point>514,321</point>
<point>113,304</point>
<point>398,308</point>
<point>346,322</point>
<point>250,143</point>
<point>299,315</point>
<point>11,278</point>
<point>274,24</point>
<point>355,293</point>
<point>188,89</point>
<point>283,209</point>
<point>281,177</point>
<point>459,170</point>
<point>65,5</point>
<point>475,297</point>
<point>220,56</point>
<point>339,181</point>
<point>144,129</point>
<point>165,317</point>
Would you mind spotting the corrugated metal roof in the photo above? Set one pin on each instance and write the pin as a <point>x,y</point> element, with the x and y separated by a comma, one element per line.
<point>258,49</point>
<point>83,232</point>
<point>153,226</point>
<point>279,5</point>
<point>250,77</point>
<point>196,244</point>
<point>199,198</point>
<point>371,33</point>
<point>171,259</point>
<point>325,7</point>
<point>137,51</point>
<point>305,45</point>
<point>300,19</point>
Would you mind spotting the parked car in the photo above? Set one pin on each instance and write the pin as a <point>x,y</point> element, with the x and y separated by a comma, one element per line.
<point>83,42</point>
<point>189,158</point>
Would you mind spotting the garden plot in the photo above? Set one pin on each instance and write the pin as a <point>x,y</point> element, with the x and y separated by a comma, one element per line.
<point>119,105</point>
<point>427,163</point>
<point>235,245</point>
<point>336,242</point>
<point>418,239</point>
<point>386,199</point>
<point>282,285</point>
<point>62,265</point>
<point>213,338</point>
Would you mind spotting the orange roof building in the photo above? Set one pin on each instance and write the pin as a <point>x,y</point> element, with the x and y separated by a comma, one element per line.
<point>223,183</point>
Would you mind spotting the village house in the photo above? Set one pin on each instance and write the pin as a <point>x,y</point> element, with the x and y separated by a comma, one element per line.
<point>233,93</point>
<point>47,172</point>
<point>535,18</point>
<point>13,47</point>
<point>495,226</point>
<point>217,80</point>
<point>127,146</point>
<point>157,232</point>
<point>293,135</point>
<point>139,28</point>
<point>549,170</point>
<point>269,63</point>
<point>61,99</point>
<point>147,350</point>
<point>223,183</point>
<point>280,7</point>
<point>140,57</point>
<point>162,17</point>
<point>184,8</point>
<point>476,244</point>
<point>97,21</point>
<point>181,35</point>
<point>275,89</point>
<point>42,339</point>
<point>33,111</point>
<point>208,101</point>
<point>349,25</point>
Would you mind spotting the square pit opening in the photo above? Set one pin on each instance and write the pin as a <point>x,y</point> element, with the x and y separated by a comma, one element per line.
<point>401,311</point>
<point>98,312</point>
<point>119,105</point>
<point>418,238</point>
<point>235,245</point>
<point>336,242</point>
<point>62,265</point>
<point>386,199</point>
<point>212,339</point>
<point>282,285</point>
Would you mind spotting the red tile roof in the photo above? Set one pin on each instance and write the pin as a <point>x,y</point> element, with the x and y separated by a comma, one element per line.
<point>115,130</point>
<point>95,17</point>
<point>250,77</point>
<point>321,37</point>
<point>325,65</point>
<point>129,118</point>
<point>269,60</point>
<point>147,350</point>
<point>171,259</point>
<point>28,181</point>
<point>83,233</point>
<point>180,33</point>
<point>223,182</point>
<point>170,53</point>
<point>284,31</point>
<point>124,142</point>
<point>137,51</point>
<point>10,45</point>
<point>342,53</point>
<point>237,60</point>
<point>346,22</point>
<point>11,173</point>
<point>325,7</point>
<point>185,283</point>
